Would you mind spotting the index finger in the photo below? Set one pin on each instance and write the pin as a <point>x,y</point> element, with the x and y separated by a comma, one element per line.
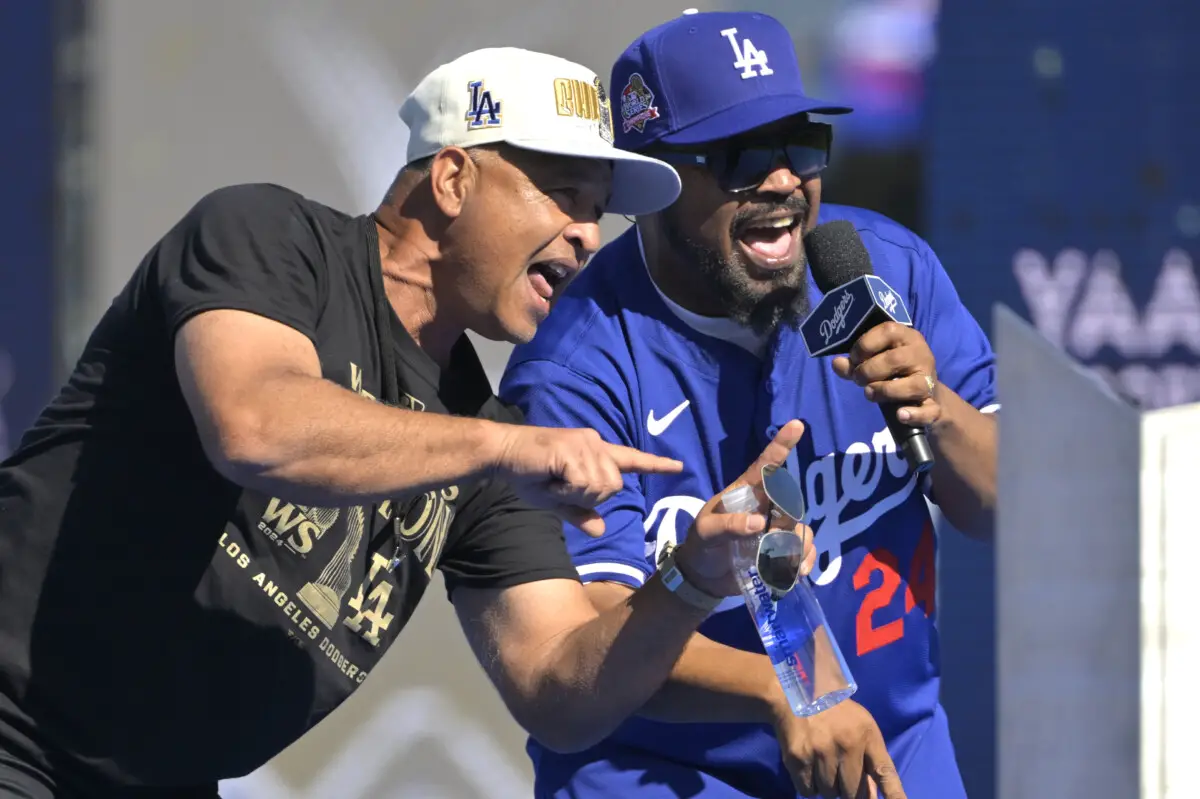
<point>886,336</point>
<point>630,460</point>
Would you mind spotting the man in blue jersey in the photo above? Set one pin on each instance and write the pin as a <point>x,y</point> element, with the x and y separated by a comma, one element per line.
<point>681,338</point>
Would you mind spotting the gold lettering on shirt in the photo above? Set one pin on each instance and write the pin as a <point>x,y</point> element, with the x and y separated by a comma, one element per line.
<point>426,525</point>
<point>298,527</point>
<point>356,382</point>
<point>278,597</point>
<point>343,664</point>
<point>234,550</point>
<point>372,609</point>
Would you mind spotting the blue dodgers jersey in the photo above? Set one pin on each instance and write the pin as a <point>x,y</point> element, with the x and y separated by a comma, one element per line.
<point>613,357</point>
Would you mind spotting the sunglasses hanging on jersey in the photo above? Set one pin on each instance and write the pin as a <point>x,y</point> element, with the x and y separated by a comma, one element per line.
<point>781,551</point>
<point>743,164</point>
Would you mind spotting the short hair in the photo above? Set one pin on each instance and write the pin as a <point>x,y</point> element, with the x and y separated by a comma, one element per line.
<point>420,167</point>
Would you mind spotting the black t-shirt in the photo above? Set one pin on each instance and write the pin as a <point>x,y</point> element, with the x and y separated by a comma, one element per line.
<point>160,625</point>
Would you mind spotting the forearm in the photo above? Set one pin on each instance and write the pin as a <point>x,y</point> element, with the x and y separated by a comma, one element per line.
<point>710,682</point>
<point>964,476</point>
<point>714,683</point>
<point>317,443</point>
<point>604,671</point>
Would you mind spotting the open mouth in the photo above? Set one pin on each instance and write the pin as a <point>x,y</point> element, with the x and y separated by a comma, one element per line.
<point>771,242</point>
<point>547,276</point>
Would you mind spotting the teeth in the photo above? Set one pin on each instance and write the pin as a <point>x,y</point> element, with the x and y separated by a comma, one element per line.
<point>557,270</point>
<point>772,224</point>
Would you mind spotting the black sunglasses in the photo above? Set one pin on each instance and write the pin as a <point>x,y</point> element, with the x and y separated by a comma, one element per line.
<point>743,164</point>
<point>781,551</point>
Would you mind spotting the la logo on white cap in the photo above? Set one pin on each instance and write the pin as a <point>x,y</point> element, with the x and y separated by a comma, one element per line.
<point>484,112</point>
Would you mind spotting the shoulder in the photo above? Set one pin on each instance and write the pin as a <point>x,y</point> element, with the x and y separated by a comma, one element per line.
<point>253,247</point>
<point>877,231</point>
<point>248,197</point>
<point>257,210</point>
<point>588,323</point>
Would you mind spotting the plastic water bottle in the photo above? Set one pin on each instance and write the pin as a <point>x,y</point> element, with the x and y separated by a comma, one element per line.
<point>792,627</point>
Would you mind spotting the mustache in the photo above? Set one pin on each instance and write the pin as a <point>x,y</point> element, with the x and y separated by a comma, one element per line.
<point>796,206</point>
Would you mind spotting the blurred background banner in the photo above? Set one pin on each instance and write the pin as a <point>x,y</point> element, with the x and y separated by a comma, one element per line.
<point>1063,180</point>
<point>27,160</point>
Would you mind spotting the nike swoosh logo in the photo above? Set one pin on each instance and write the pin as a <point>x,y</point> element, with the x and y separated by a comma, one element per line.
<point>655,427</point>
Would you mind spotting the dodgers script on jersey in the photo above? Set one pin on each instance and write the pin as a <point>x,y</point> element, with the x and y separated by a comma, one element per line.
<point>613,357</point>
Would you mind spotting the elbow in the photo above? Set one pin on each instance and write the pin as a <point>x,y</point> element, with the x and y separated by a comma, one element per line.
<point>984,527</point>
<point>560,694</point>
<point>564,735</point>
<point>238,447</point>
<point>562,717</point>
<point>980,524</point>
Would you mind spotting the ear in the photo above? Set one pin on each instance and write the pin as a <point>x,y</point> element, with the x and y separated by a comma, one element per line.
<point>452,175</point>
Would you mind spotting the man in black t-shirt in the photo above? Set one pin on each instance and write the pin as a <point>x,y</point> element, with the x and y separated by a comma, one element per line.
<point>279,429</point>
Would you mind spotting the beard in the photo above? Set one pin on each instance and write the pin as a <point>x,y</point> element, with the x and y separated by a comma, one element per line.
<point>784,301</point>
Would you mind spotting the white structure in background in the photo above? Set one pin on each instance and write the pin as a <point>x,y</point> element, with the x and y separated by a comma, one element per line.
<point>1096,641</point>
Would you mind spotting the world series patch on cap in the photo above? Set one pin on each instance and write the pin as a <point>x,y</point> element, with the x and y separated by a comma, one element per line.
<point>708,76</point>
<point>536,102</point>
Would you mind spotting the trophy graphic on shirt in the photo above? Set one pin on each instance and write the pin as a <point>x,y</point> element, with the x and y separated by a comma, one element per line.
<point>324,596</point>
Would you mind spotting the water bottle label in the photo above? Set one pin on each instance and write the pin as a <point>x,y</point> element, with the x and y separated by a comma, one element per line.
<point>777,642</point>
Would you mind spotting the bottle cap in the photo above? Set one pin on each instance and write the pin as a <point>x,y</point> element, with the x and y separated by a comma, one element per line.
<point>740,500</point>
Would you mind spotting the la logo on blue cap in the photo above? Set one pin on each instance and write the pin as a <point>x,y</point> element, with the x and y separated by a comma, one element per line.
<point>747,56</point>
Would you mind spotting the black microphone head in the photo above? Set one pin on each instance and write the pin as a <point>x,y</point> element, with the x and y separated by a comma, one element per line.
<point>836,254</point>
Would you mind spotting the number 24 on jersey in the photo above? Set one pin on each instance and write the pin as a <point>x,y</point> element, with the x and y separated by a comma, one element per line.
<point>872,631</point>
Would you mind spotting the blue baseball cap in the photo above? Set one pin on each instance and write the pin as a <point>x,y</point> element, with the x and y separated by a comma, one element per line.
<point>708,76</point>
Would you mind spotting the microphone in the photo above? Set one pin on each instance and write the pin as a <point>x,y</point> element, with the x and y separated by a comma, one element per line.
<point>855,301</point>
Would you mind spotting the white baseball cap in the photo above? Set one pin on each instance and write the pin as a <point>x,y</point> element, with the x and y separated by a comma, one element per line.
<point>536,102</point>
